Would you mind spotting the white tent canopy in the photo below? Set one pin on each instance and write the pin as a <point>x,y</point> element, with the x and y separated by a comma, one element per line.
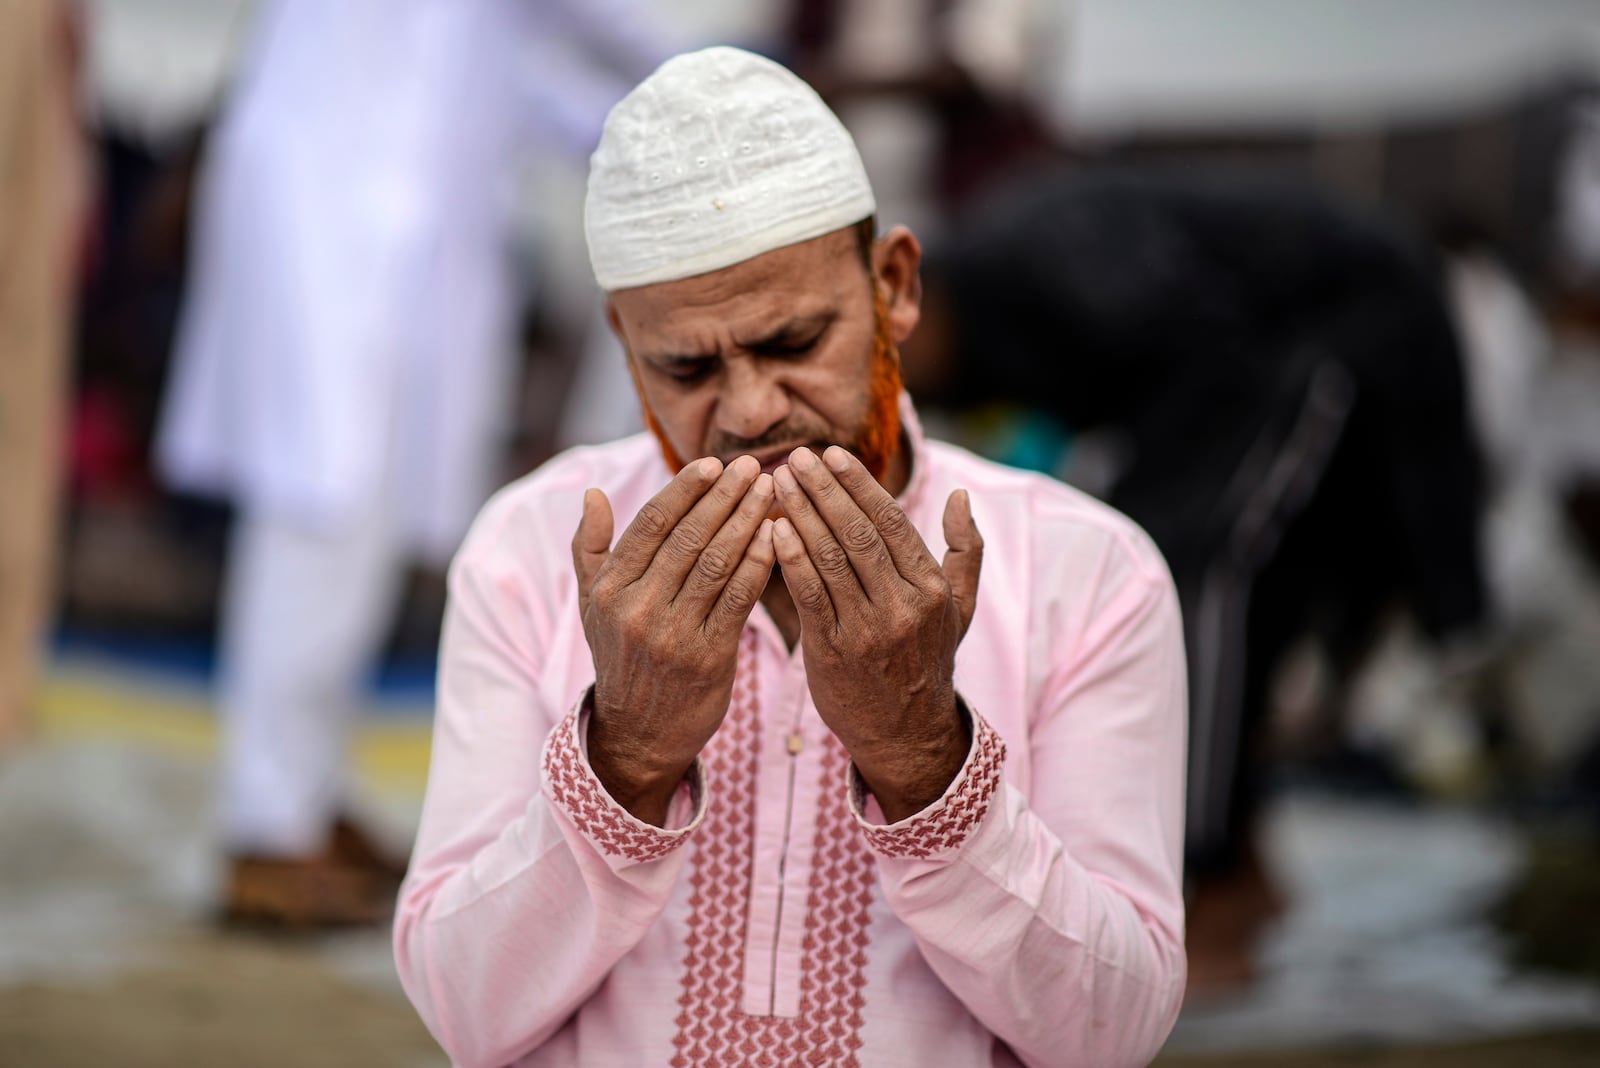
<point>1170,66</point>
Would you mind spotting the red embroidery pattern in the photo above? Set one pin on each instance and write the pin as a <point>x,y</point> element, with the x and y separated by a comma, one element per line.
<point>945,828</point>
<point>573,786</point>
<point>712,1029</point>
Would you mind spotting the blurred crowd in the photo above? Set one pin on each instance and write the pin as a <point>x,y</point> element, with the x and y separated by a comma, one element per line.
<point>263,359</point>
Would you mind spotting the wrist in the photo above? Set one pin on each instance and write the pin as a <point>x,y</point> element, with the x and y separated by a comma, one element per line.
<point>914,774</point>
<point>634,778</point>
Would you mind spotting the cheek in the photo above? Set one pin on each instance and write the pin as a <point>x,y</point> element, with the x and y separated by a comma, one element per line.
<point>661,419</point>
<point>690,423</point>
<point>819,408</point>
<point>836,387</point>
<point>678,418</point>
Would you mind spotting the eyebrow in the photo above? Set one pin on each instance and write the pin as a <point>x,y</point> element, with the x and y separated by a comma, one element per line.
<point>789,334</point>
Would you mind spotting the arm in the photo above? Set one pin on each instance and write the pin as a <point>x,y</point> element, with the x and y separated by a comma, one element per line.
<point>513,912</point>
<point>530,880</point>
<point>1057,917</point>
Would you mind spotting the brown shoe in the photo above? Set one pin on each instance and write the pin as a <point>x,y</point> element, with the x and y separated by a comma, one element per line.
<point>352,846</point>
<point>295,895</point>
<point>1227,915</point>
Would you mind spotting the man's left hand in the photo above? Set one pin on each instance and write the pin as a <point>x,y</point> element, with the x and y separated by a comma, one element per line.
<point>880,621</point>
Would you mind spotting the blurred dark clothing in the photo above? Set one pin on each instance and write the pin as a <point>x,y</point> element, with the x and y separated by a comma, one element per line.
<point>1285,371</point>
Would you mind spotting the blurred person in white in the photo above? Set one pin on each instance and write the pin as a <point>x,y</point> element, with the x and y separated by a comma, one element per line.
<point>343,367</point>
<point>40,198</point>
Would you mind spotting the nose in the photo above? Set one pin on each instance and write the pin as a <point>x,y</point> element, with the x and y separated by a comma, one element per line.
<point>752,400</point>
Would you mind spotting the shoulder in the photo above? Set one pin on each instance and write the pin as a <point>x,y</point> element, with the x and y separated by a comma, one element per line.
<point>1048,512</point>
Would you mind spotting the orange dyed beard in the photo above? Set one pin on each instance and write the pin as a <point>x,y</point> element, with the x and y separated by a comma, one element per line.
<point>877,440</point>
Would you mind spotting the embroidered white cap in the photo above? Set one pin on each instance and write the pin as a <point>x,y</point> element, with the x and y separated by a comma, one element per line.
<point>717,157</point>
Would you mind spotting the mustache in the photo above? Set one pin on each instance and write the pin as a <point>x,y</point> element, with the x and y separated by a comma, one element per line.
<point>791,436</point>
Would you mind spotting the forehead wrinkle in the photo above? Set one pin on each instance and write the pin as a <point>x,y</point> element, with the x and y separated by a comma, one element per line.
<point>796,328</point>
<point>747,303</point>
<point>671,348</point>
<point>738,324</point>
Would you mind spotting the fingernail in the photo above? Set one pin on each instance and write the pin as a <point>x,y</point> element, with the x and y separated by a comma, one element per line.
<point>746,466</point>
<point>803,459</point>
<point>785,478</point>
<point>763,486</point>
<point>710,467</point>
<point>783,530</point>
<point>836,459</point>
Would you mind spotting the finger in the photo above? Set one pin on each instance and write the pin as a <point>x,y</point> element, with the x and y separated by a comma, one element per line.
<point>851,527</point>
<point>905,546</point>
<point>749,582</point>
<point>806,588</point>
<point>591,545</point>
<point>681,551</point>
<point>827,557</point>
<point>963,559</point>
<point>717,563</point>
<point>660,517</point>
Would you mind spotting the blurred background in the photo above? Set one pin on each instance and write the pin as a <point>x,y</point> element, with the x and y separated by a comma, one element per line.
<point>1310,289</point>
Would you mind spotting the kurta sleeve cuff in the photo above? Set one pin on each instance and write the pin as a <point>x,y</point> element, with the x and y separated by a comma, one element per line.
<point>573,787</point>
<point>942,827</point>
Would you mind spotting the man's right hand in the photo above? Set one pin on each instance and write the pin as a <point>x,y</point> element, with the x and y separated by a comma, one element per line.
<point>663,612</point>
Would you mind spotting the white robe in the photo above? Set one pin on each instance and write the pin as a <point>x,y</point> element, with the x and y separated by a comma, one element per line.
<point>350,288</point>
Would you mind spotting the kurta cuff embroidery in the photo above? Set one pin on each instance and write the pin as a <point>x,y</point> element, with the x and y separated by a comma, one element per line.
<point>943,826</point>
<point>572,784</point>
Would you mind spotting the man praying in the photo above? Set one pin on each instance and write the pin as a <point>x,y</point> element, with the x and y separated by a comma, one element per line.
<point>783,734</point>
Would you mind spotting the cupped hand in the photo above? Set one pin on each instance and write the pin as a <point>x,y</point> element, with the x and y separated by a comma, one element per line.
<point>880,621</point>
<point>662,612</point>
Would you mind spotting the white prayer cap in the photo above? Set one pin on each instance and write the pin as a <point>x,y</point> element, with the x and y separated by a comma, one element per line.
<point>717,157</point>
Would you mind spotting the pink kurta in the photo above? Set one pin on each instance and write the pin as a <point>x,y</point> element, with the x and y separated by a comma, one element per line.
<point>1033,914</point>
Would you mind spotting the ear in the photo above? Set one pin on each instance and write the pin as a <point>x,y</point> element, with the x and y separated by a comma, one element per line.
<point>897,262</point>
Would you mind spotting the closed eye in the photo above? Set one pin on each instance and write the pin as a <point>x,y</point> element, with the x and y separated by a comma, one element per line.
<point>793,339</point>
<point>786,350</point>
<point>788,346</point>
<point>687,370</point>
